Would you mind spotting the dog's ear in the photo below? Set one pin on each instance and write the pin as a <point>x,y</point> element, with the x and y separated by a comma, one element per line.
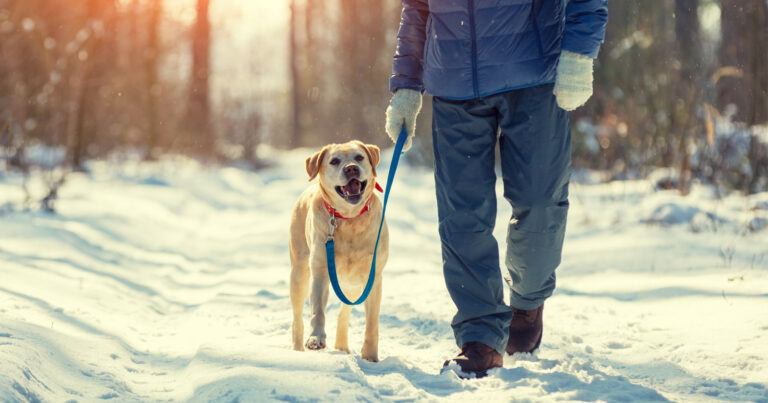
<point>314,162</point>
<point>374,155</point>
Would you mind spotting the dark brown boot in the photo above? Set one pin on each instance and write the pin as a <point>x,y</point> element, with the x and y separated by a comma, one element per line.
<point>475,359</point>
<point>525,330</point>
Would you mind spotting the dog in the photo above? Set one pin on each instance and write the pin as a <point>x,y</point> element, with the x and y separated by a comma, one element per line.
<point>344,189</point>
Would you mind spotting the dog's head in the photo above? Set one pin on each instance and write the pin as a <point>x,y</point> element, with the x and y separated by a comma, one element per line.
<point>346,171</point>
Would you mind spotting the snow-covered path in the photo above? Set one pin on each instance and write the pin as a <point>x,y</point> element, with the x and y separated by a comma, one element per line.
<point>167,281</point>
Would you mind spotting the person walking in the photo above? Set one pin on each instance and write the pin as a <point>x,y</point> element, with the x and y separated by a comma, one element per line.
<point>506,72</point>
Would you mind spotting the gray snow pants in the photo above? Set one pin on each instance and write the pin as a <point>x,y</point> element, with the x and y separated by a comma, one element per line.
<point>535,144</point>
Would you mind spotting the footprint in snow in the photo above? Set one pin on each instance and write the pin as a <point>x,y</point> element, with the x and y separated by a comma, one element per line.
<point>577,339</point>
<point>109,395</point>
<point>615,345</point>
<point>268,295</point>
<point>131,370</point>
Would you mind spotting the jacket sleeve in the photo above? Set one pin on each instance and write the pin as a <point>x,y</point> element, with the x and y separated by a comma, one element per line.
<point>585,26</point>
<point>407,65</point>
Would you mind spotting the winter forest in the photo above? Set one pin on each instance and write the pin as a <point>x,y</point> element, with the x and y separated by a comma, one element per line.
<point>680,84</point>
<point>150,151</point>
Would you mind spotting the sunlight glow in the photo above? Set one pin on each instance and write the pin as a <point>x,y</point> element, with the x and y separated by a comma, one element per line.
<point>264,14</point>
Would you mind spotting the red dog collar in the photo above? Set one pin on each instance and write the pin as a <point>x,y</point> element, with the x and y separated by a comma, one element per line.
<point>332,211</point>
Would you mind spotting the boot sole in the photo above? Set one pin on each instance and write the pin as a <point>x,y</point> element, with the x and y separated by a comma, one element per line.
<point>465,374</point>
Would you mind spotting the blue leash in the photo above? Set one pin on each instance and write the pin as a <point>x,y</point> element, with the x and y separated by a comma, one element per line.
<point>329,245</point>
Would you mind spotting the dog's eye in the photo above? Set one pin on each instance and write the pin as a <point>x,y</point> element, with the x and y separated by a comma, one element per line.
<point>335,161</point>
<point>359,158</point>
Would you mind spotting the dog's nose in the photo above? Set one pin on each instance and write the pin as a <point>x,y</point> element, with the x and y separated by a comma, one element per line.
<point>351,171</point>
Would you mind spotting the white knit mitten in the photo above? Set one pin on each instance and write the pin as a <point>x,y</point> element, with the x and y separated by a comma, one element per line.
<point>403,109</point>
<point>573,86</point>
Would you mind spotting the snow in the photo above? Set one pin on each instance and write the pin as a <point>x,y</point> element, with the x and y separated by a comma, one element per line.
<point>167,281</point>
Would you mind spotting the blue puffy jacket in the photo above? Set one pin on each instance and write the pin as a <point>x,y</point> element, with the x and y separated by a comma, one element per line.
<point>465,49</point>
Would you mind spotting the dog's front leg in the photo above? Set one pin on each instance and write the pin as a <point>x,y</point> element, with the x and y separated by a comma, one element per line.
<point>319,299</point>
<point>342,329</point>
<point>370,350</point>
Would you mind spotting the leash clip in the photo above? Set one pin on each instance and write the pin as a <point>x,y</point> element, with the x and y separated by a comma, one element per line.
<point>332,224</point>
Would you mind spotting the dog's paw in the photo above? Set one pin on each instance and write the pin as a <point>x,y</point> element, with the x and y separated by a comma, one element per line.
<point>343,349</point>
<point>370,356</point>
<point>314,343</point>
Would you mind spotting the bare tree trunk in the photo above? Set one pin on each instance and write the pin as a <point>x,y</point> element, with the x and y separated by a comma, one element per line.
<point>79,142</point>
<point>92,59</point>
<point>251,141</point>
<point>151,72</point>
<point>198,120</point>
<point>376,70</point>
<point>687,31</point>
<point>16,107</point>
<point>354,69</point>
<point>296,87</point>
<point>760,66</point>
<point>744,25</point>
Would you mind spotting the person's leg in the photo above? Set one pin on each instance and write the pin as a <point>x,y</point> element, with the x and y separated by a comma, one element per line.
<point>464,136</point>
<point>536,161</point>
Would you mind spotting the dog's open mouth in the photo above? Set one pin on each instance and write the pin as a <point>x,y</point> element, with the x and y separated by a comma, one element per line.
<point>352,192</point>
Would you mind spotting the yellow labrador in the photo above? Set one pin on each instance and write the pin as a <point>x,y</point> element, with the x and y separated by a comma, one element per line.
<point>346,180</point>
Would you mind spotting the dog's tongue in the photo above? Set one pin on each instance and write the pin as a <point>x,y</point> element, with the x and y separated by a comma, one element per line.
<point>353,187</point>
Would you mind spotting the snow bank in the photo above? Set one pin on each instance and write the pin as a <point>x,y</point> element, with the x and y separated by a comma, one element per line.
<point>702,211</point>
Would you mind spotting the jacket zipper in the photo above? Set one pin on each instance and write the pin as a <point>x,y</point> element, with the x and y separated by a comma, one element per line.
<point>474,47</point>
